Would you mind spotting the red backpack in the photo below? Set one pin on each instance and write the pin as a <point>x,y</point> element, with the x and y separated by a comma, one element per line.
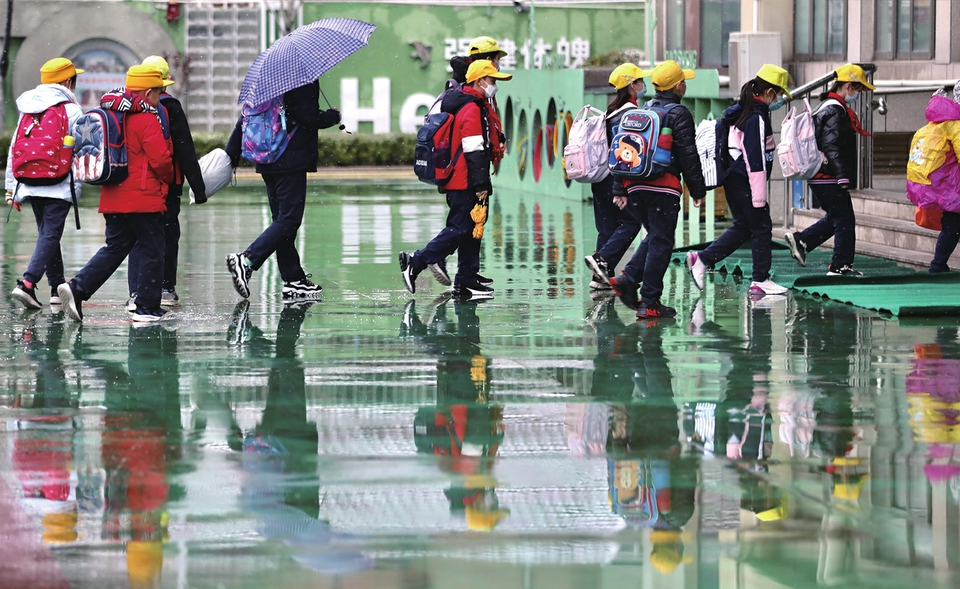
<point>40,157</point>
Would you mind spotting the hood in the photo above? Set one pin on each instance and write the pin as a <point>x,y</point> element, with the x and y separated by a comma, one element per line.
<point>43,97</point>
<point>940,109</point>
<point>732,113</point>
<point>453,101</point>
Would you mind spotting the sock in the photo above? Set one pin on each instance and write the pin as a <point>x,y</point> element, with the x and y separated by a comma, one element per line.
<point>27,283</point>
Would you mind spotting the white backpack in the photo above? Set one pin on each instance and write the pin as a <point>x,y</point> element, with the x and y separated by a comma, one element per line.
<point>800,159</point>
<point>585,156</point>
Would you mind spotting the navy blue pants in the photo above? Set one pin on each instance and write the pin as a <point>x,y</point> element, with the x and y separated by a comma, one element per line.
<point>50,213</point>
<point>171,248</point>
<point>287,194</point>
<point>839,223</point>
<point>616,228</point>
<point>749,223</point>
<point>124,231</point>
<point>659,213</point>
<point>946,242</point>
<point>457,236</point>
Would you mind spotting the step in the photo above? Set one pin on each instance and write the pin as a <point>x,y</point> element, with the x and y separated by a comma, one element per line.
<point>882,203</point>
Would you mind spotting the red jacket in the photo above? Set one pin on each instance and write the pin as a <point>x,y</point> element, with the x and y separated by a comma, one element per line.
<point>149,166</point>
<point>471,134</point>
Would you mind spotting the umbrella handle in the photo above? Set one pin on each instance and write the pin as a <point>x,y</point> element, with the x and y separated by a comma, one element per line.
<point>342,127</point>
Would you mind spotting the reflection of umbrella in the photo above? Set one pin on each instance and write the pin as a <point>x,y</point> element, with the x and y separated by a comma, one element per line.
<point>302,56</point>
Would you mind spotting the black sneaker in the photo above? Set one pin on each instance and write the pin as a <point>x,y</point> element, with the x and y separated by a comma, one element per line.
<point>240,272</point>
<point>473,291</point>
<point>599,267</point>
<point>484,280</point>
<point>597,283</point>
<point>169,297</point>
<point>144,315</point>
<point>301,289</point>
<point>440,272</point>
<point>131,304</point>
<point>626,290</point>
<point>26,296</point>
<point>239,328</point>
<point>408,273</point>
<point>71,304</point>
<point>845,270</point>
<point>797,249</point>
<point>54,296</point>
<point>655,311</point>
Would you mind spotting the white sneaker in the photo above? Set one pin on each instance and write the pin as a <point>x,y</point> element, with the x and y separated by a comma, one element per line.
<point>767,287</point>
<point>698,270</point>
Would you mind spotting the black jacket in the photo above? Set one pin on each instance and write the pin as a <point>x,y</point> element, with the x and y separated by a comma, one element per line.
<point>184,153</point>
<point>303,112</point>
<point>838,142</point>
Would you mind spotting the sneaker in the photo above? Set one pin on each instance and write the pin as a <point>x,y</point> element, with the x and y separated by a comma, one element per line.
<point>654,311</point>
<point>764,301</point>
<point>698,317</point>
<point>240,272</point>
<point>797,249</point>
<point>767,287</point>
<point>440,272</point>
<point>626,290</point>
<point>144,315</point>
<point>26,296</point>
<point>71,304</point>
<point>473,291</point>
<point>845,270</point>
<point>599,266</point>
<point>54,297</point>
<point>131,304</point>
<point>484,280</point>
<point>597,283</point>
<point>408,273</point>
<point>697,269</point>
<point>301,289</point>
<point>169,298</point>
<point>239,328</point>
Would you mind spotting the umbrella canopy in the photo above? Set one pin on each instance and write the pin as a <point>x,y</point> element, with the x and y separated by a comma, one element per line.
<point>302,56</point>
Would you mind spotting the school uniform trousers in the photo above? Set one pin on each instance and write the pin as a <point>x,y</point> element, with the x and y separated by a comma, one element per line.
<point>616,228</point>
<point>840,223</point>
<point>659,212</point>
<point>457,236</point>
<point>51,214</point>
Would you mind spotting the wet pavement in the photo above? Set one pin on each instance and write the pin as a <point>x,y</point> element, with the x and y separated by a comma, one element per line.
<point>540,439</point>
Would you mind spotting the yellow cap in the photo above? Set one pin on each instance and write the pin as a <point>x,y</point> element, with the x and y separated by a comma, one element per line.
<point>159,63</point>
<point>853,73</point>
<point>482,69</point>
<point>484,521</point>
<point>143,77</point>
<point>144,563</point>
<point>776,75</point>
<point>625,73</point>
<point>484,45</point>
<point>771,515</point>
<point>668,74</point>
<point>58,69</point>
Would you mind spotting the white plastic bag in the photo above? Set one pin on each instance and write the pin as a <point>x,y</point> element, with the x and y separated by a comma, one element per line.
<point>216,170</point>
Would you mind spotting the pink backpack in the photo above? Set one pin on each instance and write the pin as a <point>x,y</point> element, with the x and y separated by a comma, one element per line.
<point>40,157</point>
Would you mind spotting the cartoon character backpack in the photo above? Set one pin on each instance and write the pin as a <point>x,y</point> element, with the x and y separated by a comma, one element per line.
<point>641,147</point>
<point>41,153</point>
<point>99,153</point>
<point>266,133</point>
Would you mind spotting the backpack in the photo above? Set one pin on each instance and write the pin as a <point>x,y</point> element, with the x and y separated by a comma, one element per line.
<point>99,152</point>
<point>641,144</point>
<point>800,158</point>
<point>265,132</point>
<point>433,158</point>
<point>712,145</point>
<point>585,155</point>
<point>39,156</point>
<point>929,150</point>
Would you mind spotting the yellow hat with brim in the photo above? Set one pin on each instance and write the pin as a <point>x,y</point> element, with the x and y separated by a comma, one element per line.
<point>485,45</point>
<point>771,515</point>
<point>159,63</point>
<point>58,69</point>
<point>668,74</point>
<point>625,74</point>
<point>483,521</point>
<point>776,75</point>
<point>484,69</point>
<point>853,73</point>
<point>144,77</point>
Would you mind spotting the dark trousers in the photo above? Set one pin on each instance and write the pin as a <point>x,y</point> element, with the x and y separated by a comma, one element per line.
<point>50,213</point>
<point>658,213</point>
<point>287,194</point>
<point>457,236</point>
<point>171,248</point>
<point>124,231</point>
<point>946,243</point>
<point>616,228</point>
<point>749,223</point>
<point>839,223</point>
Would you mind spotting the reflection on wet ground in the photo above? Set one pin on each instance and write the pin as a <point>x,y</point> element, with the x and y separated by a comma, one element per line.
<point>540,439</point>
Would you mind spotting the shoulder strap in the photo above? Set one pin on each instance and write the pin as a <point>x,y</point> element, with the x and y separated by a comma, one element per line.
<point>829,102</point>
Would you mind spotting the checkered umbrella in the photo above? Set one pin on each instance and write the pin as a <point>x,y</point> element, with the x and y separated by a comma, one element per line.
<point>302,56</point>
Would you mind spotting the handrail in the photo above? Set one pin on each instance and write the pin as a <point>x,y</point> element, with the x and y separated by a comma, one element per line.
<point>868,68</point>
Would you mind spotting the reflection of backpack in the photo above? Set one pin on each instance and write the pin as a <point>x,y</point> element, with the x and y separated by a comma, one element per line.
<point>800,158</point>
<point>585,156</point>
<point>265,132</point>
<point>99,153</point>
<point>712,144</point>
<point>641,147</point>
<point>39,155</point>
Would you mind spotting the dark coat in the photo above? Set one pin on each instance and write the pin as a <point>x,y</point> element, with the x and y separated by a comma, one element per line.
<point>838,142</point>
<point>184,152</point>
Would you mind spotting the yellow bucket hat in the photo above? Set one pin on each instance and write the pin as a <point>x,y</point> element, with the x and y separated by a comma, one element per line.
<point>626,73</point>
<point>58,69</point>
<point>776,75</point>
<point>853,73</point>
<point>159,63</point>
<point>143,77</point>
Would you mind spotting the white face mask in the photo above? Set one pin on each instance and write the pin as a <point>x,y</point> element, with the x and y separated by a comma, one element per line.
<point>490,90</point>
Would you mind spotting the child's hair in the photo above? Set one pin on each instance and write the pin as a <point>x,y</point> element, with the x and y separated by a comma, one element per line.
<point>622,97</point>
<point>754,87</point>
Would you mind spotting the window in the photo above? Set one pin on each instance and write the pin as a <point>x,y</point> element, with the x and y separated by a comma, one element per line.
<point>820,30</point>
<point>675,11</point>
<point>904,29</point>
<point>718,18</point>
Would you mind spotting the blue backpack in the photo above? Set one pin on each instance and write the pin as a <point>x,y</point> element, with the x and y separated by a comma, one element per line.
<point>641,146</point>
<point>99,153</point>
<point>265,132</point>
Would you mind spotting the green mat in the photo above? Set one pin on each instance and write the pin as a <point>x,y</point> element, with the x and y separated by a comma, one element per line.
<point>886,286</point>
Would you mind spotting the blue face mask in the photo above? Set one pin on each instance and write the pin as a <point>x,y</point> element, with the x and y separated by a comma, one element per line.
<point>780,101</point>
<point>852,99</point>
